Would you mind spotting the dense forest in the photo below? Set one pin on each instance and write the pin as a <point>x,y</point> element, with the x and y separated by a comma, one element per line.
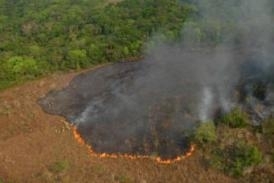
<point>40,37</point>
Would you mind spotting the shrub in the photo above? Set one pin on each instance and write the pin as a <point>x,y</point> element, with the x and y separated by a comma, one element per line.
<point>20,66</point>
<point>235,158</point>
<point>241,156</point>
<point>205,133</point>
<point>268,127</point>
<point>59,166</point>
<point>235,119</point>
<point>123,179</point>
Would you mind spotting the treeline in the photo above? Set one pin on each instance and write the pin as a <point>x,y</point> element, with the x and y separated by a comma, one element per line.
<point>39,37</point>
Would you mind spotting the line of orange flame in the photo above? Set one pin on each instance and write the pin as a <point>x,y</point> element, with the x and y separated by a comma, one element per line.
<point>81,141</point>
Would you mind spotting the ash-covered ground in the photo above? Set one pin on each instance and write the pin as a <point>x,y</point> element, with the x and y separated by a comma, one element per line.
<point>116,113</point>
<point>151,107</point>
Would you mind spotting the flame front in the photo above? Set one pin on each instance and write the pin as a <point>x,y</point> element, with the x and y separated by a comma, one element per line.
<point>77,136</point>
<point>92,153</point>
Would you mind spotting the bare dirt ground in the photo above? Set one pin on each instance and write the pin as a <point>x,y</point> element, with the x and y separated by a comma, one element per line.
<point>38,147</point>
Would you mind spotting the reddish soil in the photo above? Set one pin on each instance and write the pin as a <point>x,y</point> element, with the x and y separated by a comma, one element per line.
<point>32,142</point>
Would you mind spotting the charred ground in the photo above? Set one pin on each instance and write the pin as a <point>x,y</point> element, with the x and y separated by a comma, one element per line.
<point>122,108</point>
<point>115,116</point>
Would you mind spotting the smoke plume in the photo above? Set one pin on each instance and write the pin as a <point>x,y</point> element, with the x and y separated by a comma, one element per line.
<point>224,39</point>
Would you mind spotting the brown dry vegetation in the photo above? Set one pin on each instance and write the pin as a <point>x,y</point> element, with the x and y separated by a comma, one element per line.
<point>38,147</point>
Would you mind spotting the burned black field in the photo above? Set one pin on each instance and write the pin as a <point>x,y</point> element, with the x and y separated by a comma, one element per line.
<point>133,108</point>
<point>114,116</point>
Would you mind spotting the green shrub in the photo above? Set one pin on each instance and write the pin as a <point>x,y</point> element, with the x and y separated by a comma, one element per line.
<point>123,179</point>
<point>235,119</point>
<point>205,133</point>
<point>268,127</point>
<point>18,69</point>
<point>59,166</point>
<point>235,158</point>
<point>20,66</point>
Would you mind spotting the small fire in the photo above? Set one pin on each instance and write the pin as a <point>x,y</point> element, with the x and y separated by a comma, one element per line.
<point>81,141</point>
<point>77,136</point>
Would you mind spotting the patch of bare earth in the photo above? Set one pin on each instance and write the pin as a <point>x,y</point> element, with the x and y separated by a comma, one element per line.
<point>38,147</point>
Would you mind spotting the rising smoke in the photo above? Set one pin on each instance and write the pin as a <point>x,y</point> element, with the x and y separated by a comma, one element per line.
<point>222,39</point>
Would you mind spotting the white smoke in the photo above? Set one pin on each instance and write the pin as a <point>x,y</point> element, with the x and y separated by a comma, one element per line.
<point>206,104</point>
